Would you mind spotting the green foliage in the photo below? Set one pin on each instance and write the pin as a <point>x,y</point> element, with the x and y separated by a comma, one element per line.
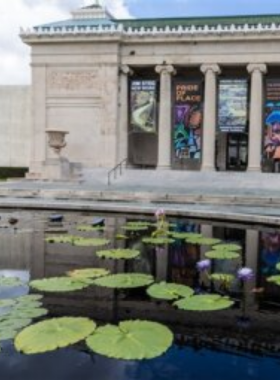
<point>119,254</point>
<point>7,302</point>
<point>274,279</point>
<point>182,235</point>
<point>65,239</point>
<point>125,280</point>
<point>88,228</point>
<point>10,281</point>
<point>135,228</point>
<point>222,277</point>
<point>52,334</point>
<point>228,247</point>
<point>58,284</point>
<point>222,255</point>
<point>139,223</point>
<point>157,240</point>
<point>131,340</point>
<point>121,237</point>
<point>278,266</point>
<point>90,242</point>
<point>209,302</point>
<point>169,291</point>
<point>88,273</point>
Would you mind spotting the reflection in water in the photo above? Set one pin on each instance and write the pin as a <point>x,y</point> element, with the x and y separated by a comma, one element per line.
<point>226,342</point>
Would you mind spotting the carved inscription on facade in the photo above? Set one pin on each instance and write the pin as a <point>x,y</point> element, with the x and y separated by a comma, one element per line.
<point>72,80</point>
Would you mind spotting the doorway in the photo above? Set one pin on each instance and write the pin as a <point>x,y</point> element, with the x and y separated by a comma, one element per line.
<point>237,151</point>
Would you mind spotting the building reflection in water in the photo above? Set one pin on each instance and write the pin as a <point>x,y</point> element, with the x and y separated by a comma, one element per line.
<point>175,263</point>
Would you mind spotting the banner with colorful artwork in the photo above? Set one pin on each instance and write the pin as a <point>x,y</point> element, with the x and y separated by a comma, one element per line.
<point>143,106</point>
<point>233,105</point>
<point>272,120</point>
<point>188,114</point>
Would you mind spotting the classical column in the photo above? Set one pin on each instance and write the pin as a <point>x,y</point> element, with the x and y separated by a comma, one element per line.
<point>256,115</point>
<point>122,148</point>
<point>164,132</point>
<point>210,116</point>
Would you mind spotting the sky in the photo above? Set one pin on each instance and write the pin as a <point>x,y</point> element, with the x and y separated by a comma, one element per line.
<point>15,56</point>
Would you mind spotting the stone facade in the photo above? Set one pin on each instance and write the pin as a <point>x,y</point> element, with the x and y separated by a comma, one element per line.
<point>81,70</point>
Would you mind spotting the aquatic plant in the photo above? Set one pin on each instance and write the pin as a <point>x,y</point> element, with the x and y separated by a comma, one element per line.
<point>222,255</point>
<point>119,254</point>
<point>169,291</point>
<point>59,284</point>
<point>208,302</point>
<point>157,240</point>
<point>131,340</point>
<point>135,228</point>
<point>88,273</point>
<point>90,242</point>
<point>52,334</point>
<point>245,274</point>
<point>88,228</point>
<point>274,279</point>
<point>125,280</point>
<point>10,281</point>
<point>203,265</point>
<point>227,247</point>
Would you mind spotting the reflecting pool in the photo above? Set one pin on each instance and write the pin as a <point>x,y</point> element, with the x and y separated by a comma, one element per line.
<point>242,342</point>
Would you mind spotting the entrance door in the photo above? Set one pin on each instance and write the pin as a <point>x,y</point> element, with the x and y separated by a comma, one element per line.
<point>237,151</point>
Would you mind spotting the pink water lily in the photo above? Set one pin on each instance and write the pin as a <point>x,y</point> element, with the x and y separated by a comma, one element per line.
<point>160,213</point>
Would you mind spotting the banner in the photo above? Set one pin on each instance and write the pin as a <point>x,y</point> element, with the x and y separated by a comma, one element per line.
<point>272,120</point>
<point>143,105</point>
<point>188,113</point>
<point>233,105</point>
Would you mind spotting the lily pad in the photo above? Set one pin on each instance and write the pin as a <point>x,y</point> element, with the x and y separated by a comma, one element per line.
<point>207,241</point>
<point>52,334</point>
<point>158,240</point>
<point>88,273</point>
<point>121,237</point>
<point>29,297</point>
<point>131,340</point>
<point>169,291</point>
<point>227,247</point>
<point>181,235</point>
<point>134,228</point>
<point>119,254</point>
<point>140,223</point>
<point>278,266</point>
<point>274,279</point>
<point>91,242</point>
<point>209,302</point>
<point>58,284</point>
<point>222,255</point>
<point>10,282</point>
<point>88,228</point>
<point>7,302</point>
<point>23,305</point>
<point>222,277</point>
<point>125,280</point>
<point>28,313</point>
<point>14,323</point>
<point>62,239</point>
<point>7,334</point>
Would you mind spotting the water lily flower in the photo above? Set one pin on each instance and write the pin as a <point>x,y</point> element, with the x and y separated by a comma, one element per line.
<point>160,213</point>
<point>203,265</point>
<point>245,274</point>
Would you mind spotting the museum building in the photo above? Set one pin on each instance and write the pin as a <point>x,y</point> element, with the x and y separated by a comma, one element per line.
<point>184,94</point>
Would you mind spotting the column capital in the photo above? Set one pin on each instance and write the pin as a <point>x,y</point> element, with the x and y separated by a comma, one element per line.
<point>210,67</point>
<point>261,67</point>
<point>165,69</point>
<point>126,70</point>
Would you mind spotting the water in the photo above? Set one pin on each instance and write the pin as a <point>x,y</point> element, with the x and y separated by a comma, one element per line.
<point>238,343</point>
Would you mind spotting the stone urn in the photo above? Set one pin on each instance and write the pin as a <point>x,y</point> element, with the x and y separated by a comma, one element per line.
<point>56,139</point>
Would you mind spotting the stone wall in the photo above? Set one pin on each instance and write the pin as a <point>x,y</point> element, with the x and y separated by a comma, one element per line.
<point>15,126</point>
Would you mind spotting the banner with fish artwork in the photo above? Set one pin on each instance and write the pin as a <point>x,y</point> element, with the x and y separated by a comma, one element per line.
<point>187,118</point>
<point>143,106</point>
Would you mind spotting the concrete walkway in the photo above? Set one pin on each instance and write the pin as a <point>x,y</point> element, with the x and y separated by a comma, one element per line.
<point>244,197</point>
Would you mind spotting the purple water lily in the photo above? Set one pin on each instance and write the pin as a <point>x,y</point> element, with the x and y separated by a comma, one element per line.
<point>245,274</point>
<point>203,265</point>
